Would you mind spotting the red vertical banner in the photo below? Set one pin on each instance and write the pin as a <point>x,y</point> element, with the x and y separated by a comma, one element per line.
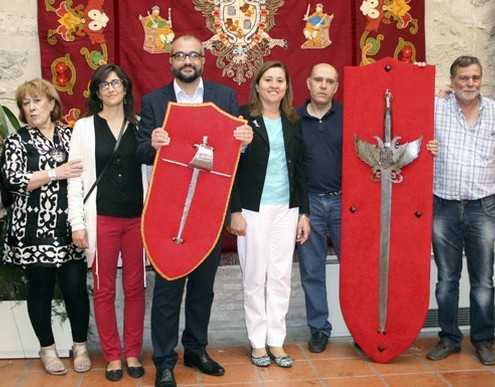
<point>76,36</point>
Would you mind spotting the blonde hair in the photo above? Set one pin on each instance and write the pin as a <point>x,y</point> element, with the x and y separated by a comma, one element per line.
<point>39,87</point>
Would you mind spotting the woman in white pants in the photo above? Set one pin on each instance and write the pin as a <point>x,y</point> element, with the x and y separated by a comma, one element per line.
<point>269,211</point>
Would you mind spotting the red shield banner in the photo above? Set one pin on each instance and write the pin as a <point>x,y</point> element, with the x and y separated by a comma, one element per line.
<point>170,183</point>
<point>385,305</point>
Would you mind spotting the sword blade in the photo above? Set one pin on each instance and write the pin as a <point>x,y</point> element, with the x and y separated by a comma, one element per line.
<point>386,159</point>
<point>385,217</point>
<point>187,205</point>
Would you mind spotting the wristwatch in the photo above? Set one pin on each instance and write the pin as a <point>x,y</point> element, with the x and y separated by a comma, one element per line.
<point>304,216</point>
<point>52,174</point>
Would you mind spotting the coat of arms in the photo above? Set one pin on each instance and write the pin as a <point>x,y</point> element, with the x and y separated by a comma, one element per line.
<point>240,34</point>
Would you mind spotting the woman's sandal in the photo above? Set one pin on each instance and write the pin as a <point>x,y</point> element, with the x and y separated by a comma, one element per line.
<point>52,363</point>
<point>82,362</point>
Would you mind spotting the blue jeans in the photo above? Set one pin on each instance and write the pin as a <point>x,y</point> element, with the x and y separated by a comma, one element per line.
<point>467,225</point>
<point>325,214</point>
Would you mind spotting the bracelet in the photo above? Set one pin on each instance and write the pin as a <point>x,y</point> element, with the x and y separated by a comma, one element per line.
<point>52,174</point>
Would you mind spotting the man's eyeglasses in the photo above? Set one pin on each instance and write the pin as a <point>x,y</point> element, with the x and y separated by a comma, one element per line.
<point>181,56</point>
<point>115,83</point>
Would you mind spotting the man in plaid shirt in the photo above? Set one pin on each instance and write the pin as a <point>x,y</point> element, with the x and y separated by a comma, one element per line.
<point>464,209</point>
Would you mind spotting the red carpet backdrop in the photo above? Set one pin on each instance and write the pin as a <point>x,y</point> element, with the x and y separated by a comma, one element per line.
<point>77,36</point>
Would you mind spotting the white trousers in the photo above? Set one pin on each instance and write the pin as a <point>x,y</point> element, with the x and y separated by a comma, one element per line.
<point>265,255</point>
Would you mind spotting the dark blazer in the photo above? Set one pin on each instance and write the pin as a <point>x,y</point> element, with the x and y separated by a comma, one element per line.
<point>167,295</point>
<point>154,105</point>
<point>251,172</point>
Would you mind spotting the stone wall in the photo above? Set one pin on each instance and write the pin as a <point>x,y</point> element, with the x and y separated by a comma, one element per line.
<point>19,47</point>
<point>461,27</point>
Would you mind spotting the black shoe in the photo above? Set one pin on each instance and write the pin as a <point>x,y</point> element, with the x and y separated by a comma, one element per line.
<point>318,342</point>
<point>114,375</point>
<point>205,364</point>
<point>135,372</point>
<point>486,353</point>
<point>165,378</point>
<point>443,349</point>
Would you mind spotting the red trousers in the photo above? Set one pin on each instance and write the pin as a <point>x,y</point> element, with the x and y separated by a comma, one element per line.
<point>114,236</point>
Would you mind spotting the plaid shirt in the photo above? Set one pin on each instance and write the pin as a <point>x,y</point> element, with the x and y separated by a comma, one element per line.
<point>465,165</point>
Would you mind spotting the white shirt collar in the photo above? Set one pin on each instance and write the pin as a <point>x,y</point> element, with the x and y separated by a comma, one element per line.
<point>182,97</point>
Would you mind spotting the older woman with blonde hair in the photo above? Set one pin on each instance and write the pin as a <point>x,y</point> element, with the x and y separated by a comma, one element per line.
<point>38,236</point>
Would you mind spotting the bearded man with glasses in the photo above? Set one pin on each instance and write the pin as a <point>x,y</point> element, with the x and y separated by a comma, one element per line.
<point>187,63</point>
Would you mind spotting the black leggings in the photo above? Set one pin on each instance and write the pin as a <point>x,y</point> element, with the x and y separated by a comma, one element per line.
<point>72,282</point>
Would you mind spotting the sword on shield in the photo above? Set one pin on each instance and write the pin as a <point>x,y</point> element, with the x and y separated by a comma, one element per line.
<point>386,161</point>
<point>202,161</point>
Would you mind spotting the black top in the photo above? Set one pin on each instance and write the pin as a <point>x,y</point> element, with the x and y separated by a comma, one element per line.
<point>120,191</point>
<point>323,148</point>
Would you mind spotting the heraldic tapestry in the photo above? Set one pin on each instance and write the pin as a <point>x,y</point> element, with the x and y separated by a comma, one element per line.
<point>76,36</point>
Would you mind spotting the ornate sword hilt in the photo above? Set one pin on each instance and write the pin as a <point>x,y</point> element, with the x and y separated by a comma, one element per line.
<point>203,159</point>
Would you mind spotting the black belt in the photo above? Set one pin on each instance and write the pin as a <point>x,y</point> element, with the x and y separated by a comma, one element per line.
<point>334,193</point>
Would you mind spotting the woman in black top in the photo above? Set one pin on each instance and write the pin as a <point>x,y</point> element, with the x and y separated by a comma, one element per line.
<point>108,223</point>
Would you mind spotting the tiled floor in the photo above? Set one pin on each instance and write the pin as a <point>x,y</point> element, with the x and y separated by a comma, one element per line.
<point>342,364</point>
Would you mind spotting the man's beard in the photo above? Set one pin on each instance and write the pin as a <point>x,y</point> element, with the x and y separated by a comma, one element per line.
<point>187,79</point>
<point>467,96</point>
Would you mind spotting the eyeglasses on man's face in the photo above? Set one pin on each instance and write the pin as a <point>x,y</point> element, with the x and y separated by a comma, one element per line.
<point>181,56</point>
<point>115,83</point>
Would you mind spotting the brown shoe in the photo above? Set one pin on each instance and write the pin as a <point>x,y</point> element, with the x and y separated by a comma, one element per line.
<point>443,349</point>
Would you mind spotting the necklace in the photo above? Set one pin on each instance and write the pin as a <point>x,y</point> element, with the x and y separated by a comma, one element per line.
<point>57,152</point>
